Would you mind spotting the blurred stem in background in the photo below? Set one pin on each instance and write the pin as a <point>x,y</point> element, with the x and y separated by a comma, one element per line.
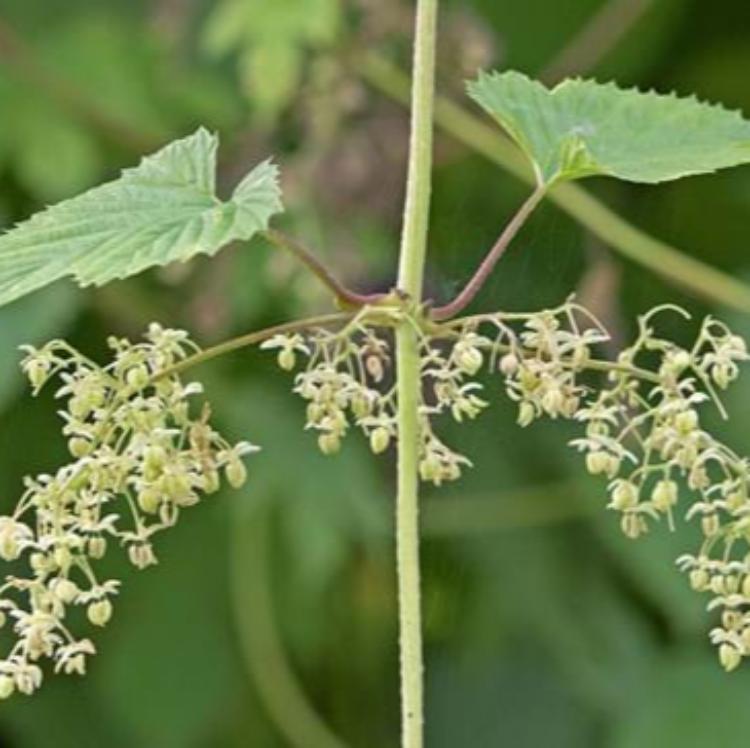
<point>659,257</point>
<point>602,33</point>
<point>262,648</point>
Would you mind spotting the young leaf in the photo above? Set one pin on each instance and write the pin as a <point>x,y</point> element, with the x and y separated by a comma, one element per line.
<point>163,210</point>
<point>583,128</point>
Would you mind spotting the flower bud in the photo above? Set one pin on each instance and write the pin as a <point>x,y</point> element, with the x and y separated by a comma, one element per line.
<point>62,556</point>
<point>529,380</point>
<point>735,500</point>
<point>361,406</point>
<point>286,359</point>
<point>380,439</point>
<point>137,377</point>
<point>509,364</point>
<point>614,465</point>
<point>99,612</point>
<point>664,496</point>
<point>236,473</point>
<point>97,547</point>
<point>80,479</point>
<point>716,585</point>
<point>211,481</point>
<point>686,457</point>
<point>3,619</point>
<point>430,468</point>
<point>149,499</point>
<point>686,422</point>
<point>7,687</point>
<point>9,548</point>
<point>37,372</point>
<point>154,457</point>
<point>526,413</point>
<point>570,406</point>
<point>699,580</point>
<point>39,562</point>
<point>679,361</point>
<point>710,524</point>
<point>329,443</point>
<point>698,478</point>
<point>141,555</point>
<point>723,375</point>
<point>624,496</point>
<point>79,447</point>
<point>632,525</point>
<point>581,355</point>
<point>176,486</point>
<point>553,401</point>
<point>730,620</point>
<point>597,462</point>
<point>470,360</point>
<point>65,590</point>
<point>729,657</point>
<point>79,407</point>
<point>597,428</point>
<point>315,412</point>
<point>746,586</point>
<point>374,367</point>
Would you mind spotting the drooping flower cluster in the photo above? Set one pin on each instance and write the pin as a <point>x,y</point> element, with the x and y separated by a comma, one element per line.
<point>641,415</point>
<point>644,434</point>
<point>137,458</point>
<point>347,381</point>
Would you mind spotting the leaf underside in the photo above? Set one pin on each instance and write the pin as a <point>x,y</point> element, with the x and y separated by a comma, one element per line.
<point>163,210</point>
<point>583,128</point>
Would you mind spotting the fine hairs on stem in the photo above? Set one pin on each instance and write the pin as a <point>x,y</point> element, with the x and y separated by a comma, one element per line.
<point>410,279</point>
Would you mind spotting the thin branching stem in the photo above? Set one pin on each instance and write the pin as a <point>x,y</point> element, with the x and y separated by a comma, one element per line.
<point>477,281</point>
<point>253,338</point>
<point>344,296</point>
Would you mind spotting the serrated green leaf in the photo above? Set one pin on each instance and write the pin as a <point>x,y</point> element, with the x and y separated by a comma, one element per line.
<point>583,128</point>
<point>163,210</point>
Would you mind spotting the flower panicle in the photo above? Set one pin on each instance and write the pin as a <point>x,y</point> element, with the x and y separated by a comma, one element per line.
<point>641,417</point>
<point>139,455</point>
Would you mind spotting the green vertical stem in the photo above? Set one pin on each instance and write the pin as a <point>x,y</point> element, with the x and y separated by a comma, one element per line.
<point>411,275</point>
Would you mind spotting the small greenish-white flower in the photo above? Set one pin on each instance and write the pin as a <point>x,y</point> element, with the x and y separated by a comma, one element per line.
<point>99,612</point>
<point>729,656</point>
<point>380,439</point>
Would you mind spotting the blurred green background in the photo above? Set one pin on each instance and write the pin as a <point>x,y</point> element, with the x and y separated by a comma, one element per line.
<point>270,620</point>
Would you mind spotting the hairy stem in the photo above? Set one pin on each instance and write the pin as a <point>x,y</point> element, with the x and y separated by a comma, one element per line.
<point>411,276</point>
<point>472,288</point>
<point>343,295</point>
<point>603,31</point>
<point>263,651</point>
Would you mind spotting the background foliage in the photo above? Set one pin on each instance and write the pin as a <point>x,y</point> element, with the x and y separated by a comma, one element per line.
<point>544,625</point>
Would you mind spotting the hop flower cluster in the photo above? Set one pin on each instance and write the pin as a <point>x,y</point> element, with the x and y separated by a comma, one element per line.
<point>137,458</point>
<point>643,432</point>
<point>642,416</point>
<point>347,381</point>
